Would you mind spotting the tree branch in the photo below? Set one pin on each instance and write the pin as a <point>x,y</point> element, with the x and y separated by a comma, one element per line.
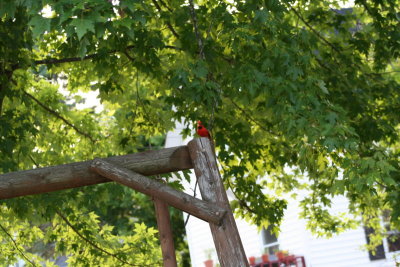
<point>165,5</point>
<point>91,56</point>
<point>297,13</point>
<point>383,73</point>
<point>168,24</point>
<point>16,245</point>
<point>244,112</point>
<point>129,56</point>
<point>64,60</point>
<point>369,11</point>
<point>196,30</point>
<point>57,115</point>
<point>90,242</point>
<point>242,203</point>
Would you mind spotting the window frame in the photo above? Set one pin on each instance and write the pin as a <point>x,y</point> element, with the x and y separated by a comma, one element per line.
<point>267,247</point>
<point>383,251</point>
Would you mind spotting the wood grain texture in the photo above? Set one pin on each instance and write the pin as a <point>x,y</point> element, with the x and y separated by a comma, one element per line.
<point>226,236</point>
<point>165,233</point>
<point>77,174</point>
<point>199,208</point>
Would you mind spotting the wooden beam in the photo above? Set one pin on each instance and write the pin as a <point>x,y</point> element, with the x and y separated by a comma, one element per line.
<point>77,174</point>
<point>165,232</point>
<point>199,208</point>
<point>226,236</point>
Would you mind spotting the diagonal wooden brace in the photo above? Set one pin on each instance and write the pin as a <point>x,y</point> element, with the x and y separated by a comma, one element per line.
<point>196,207</point>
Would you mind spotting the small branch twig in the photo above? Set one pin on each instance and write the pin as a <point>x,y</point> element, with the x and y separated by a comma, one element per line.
<point>194,195</point>
<point>129,56</point>
<point>369,11</point>
<point>16,246</point>
<point>58,115</point>
<point>165,5</point>
<point>244,112</point>
<point>168,24</point>
<point>34,161</point>
<point>383,73</point>
<point>242,203</point>
<point>139,99</point>
<point>297,13</point>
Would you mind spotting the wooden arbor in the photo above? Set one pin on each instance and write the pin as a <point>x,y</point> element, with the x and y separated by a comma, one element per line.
<point>131,170</point>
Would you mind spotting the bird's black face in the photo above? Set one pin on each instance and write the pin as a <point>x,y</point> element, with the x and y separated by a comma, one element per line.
<point>199,127</point>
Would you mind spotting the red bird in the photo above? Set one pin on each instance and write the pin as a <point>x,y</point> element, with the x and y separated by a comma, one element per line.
<point>202,131</point>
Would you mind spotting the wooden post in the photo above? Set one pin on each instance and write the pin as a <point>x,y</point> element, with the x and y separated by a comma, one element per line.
<point>226,236</point>
<point>165,232</point>
<point>199,208</point>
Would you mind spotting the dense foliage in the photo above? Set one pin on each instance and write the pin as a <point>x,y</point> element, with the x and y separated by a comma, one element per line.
<point>299,95</point>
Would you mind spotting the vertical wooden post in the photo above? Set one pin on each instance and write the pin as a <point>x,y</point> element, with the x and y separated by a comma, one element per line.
<point>165,232</point>
<point>226,236</point>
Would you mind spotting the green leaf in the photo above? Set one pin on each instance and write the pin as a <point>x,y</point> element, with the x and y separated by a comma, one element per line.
<point>260,16</point>
<point>82,26</point>
<point>66,15</point>
<point>321,85</point>
<point>7,7</point>
<point>83,48</point>
<point>200,70</point>
<point>39,25</point>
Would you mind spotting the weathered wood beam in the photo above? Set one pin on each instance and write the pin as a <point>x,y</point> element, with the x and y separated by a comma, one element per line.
<point>199,208</point>
<point>165,232</point>
<point>77,174</point>
<point>226,236</point>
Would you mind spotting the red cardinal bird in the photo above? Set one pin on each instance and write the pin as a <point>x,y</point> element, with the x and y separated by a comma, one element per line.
<point>202,131</point>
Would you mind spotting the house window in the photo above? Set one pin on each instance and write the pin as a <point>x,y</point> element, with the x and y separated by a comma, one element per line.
<point>379,252</point>
<point>393,235</point>
<point>270,241</point>
<point>391,242</point>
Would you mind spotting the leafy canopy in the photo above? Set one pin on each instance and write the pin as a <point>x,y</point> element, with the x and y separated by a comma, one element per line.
<point>299,95</point>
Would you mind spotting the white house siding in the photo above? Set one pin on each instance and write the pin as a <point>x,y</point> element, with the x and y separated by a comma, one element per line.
<point>293,236</point>
<point>343,250</point>
<point>200,240</point>
<point>251,238</point>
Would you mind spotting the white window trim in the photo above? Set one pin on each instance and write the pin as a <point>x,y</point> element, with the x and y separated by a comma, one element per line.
<point>270,244</point>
